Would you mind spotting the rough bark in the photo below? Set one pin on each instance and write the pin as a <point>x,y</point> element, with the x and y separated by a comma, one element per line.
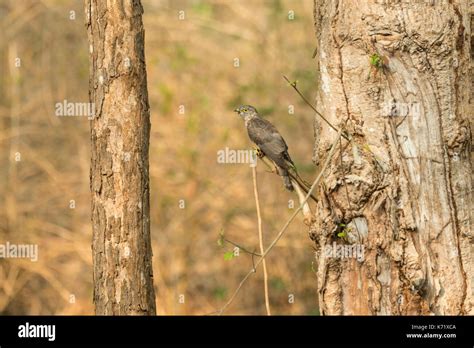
<point>403,188</point>
<point>120,131</point>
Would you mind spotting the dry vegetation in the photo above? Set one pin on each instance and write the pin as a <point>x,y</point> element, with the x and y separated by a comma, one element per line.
<point>190,62</point>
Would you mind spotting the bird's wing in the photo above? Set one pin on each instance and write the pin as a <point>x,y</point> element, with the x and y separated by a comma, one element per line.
<point>269,140</point>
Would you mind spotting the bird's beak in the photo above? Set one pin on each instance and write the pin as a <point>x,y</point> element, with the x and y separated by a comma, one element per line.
<point>236,110</point>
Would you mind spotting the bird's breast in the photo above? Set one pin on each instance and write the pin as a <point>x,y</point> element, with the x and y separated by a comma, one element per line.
<point>247,122</point>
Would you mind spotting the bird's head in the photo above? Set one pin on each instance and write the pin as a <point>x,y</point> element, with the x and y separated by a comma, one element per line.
<point>246,111</point>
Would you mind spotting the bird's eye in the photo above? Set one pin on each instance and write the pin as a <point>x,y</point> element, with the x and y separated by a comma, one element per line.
<point>245,110</point>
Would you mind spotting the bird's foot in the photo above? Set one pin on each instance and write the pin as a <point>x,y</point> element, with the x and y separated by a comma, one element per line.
<point>259,153</point>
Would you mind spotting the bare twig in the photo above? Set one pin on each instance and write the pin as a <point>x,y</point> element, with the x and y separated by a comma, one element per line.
<point>241,247</point>
<point>260,239</point>
<point>282,231</point>
<point>307,214</point>
<point>293,84</point>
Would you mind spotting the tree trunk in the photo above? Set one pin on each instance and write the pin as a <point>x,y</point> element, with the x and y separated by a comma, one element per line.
<point>402,191</point>
<point>120,131</point>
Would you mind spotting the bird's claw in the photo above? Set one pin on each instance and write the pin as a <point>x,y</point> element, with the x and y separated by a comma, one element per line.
<point>259,153</point>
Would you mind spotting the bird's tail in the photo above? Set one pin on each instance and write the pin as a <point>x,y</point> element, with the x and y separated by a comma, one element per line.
<point>301,183</point>
<point>287,182</point>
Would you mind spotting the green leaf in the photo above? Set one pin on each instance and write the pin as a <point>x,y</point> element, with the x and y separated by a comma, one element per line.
<point>342,234</point>
<point>376,60</point>
<point>229,255</point>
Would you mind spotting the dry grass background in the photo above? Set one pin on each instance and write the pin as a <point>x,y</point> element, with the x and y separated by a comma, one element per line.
<point>190,62</point>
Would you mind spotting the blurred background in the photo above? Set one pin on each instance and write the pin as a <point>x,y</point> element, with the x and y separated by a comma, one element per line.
<point>204,57</point>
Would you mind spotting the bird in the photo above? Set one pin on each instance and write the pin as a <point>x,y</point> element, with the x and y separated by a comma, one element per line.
<point>271,144</point>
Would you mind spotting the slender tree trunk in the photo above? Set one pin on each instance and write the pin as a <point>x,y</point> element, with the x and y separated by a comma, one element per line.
<point>123,276</point>
<point>402,191</point>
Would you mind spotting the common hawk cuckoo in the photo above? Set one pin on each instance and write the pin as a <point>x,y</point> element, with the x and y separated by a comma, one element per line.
<point>271,144</point>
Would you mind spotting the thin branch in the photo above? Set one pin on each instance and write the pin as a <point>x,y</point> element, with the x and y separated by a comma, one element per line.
<point>260,239</point>
<point>307,214</point>
<point>282,231</point>
<point>241,247</point>
<point>293,84</point>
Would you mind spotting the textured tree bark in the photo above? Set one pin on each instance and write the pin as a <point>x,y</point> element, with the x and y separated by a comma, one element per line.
<point>403,188</point>
<point>120,131</point>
